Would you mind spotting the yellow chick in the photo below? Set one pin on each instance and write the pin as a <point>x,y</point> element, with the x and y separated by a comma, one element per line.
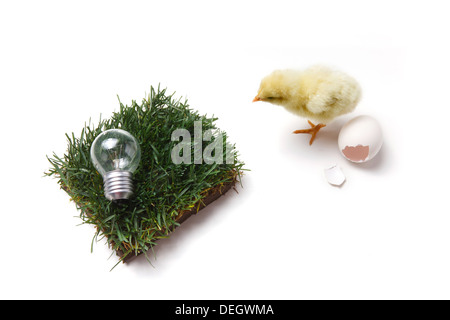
<point>317,93</point>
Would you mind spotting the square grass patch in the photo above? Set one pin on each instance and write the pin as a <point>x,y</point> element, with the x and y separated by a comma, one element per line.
<point>165,193</point>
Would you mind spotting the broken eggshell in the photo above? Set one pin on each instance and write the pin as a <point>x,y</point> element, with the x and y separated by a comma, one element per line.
<point>334,175</point>
<point>360,139</point>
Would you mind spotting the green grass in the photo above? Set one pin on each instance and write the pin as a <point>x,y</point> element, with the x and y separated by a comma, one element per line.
<point>162,188</point>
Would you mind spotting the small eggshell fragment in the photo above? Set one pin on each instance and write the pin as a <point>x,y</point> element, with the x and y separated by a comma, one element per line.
<point>334,175</point>
<point>360,139</point>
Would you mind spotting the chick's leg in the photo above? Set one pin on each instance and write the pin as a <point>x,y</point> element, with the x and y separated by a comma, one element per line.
<point>313,131</point>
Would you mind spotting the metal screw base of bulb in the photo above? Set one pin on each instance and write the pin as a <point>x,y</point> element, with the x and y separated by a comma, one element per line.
<point>118,184</point>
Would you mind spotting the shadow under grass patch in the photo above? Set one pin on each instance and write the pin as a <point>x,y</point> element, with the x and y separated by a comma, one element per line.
<point>165,194</point>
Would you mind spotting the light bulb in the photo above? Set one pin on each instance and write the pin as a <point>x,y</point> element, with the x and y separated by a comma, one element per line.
<point>115,154</point>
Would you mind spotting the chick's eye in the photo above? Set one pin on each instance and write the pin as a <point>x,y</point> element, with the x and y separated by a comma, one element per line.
<point>270,98</point>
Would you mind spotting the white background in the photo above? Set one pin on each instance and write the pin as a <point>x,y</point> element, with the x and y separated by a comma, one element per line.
<point>287,234</point>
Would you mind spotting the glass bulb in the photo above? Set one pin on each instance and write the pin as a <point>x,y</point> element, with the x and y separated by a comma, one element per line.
<point>116,154</point>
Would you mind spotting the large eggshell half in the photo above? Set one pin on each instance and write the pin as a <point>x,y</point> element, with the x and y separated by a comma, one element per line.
<point>360,139</point>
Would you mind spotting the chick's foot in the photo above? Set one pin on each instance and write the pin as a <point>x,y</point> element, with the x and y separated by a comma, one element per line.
<point>313,131</point>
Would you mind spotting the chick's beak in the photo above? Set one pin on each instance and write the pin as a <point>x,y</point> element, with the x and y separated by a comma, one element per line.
<point>257,98</point>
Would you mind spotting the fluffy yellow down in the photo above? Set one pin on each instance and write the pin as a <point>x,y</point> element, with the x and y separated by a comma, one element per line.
<point>317,93</point>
